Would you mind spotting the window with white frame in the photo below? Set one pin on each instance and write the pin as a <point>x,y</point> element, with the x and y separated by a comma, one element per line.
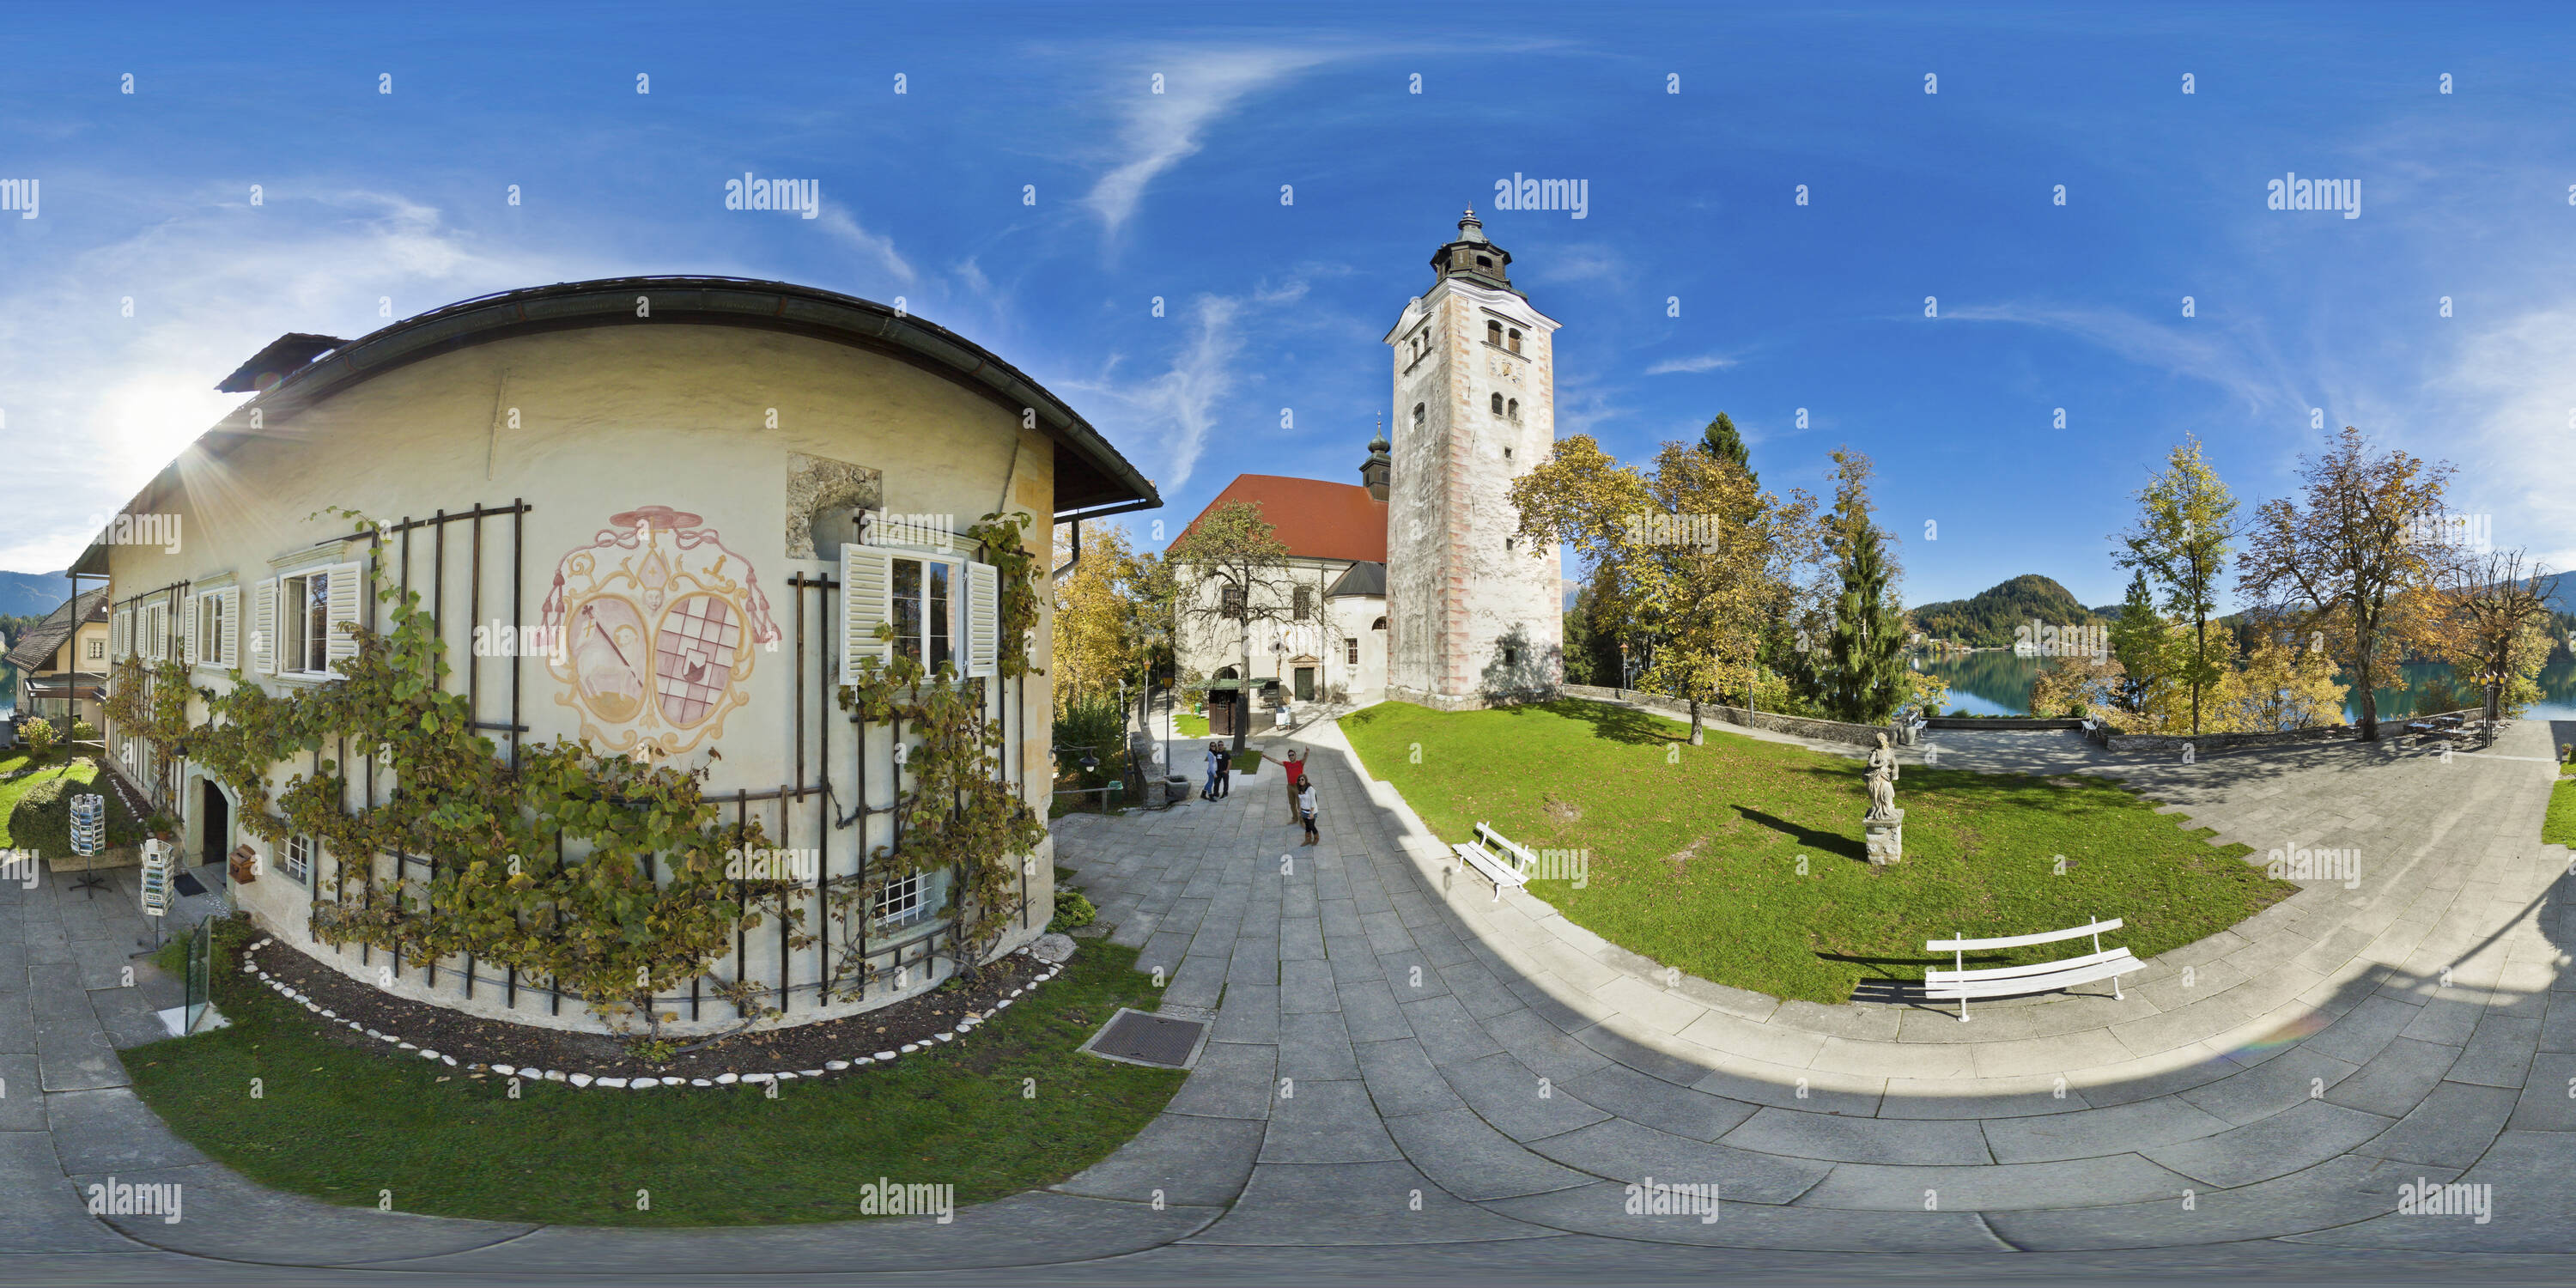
<point>942,609</point>
<point>304,621</point>
<point>296,860</point>
<point>96,651</point>
<point>213,608</point>
<point>905,901</point>
<point>925,611</point>
<point>1351,649</point>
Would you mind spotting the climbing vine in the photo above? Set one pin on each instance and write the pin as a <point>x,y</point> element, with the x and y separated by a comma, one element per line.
<point>602,876</point>
<point>960,816</point>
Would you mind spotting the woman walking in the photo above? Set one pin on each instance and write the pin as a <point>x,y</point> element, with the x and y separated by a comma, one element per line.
<point>1306,810</point>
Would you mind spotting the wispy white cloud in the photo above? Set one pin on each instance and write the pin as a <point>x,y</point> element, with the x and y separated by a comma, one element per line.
<point>1159,131</point>
<point>874,247</point>
<point>2238,359</point>
<point>1570,264</point>
<point>1182,406</point>
<point>2506,406</point>
<point>1703,362</point>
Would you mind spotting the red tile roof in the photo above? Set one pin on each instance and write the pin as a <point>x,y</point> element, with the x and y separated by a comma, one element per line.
<point>1317,520</point>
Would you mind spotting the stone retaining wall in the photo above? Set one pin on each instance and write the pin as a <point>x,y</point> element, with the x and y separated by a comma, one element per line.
<point>1857,735</point>
<point>2002,724</point>
<point>2171,744</point>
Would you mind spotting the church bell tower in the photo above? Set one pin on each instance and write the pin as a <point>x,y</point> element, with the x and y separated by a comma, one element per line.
<point>1474,613</point>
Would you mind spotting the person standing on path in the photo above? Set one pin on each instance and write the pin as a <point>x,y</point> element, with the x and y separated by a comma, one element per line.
<point>1224,770</point>
<point>1306,810</point>
<point>1215,762</point>
<point>1295,767</point>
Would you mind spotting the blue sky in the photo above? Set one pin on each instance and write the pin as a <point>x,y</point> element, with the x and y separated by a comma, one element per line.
<point>403,196</point>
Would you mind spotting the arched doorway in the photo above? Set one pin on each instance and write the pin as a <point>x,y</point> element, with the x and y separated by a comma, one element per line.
<point>213,824</point>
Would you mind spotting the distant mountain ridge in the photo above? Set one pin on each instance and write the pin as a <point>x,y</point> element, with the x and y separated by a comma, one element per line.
<point>32,594</point>
<point>1987,619</point>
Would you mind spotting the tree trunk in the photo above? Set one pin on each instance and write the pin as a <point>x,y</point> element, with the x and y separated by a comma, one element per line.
<point>2200,656</point>
<point>1699,736</point>
<point>1243,695</point>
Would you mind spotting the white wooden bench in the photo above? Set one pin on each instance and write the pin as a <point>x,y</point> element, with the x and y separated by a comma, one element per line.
<point>1507,862</point>
<point>2041,977</point>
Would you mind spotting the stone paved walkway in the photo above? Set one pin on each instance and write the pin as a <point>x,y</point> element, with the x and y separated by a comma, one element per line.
<point>1408,1077</point>
<point>2288,1074</point>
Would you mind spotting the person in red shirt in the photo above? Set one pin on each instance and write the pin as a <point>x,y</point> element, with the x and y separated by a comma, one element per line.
<point>1295,766</point>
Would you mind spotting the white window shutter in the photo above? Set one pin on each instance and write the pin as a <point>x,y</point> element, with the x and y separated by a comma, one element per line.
<point>983,620</point>
<point>230,627</point>
<point>263,628</point>
<point>867,590</point>
<point>189,649</point>
<point>348,582</point>
<point>120,633</point>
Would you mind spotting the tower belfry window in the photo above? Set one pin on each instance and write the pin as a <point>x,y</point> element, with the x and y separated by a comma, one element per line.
<point>1514,343</point>
<point>1493,333</point>
<point>1498,404</point>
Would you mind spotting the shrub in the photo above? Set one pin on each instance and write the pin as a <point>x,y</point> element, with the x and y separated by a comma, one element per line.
<point>1071,912</point>
<point>42,820</point>
<point>84,731</point>
<point>38,734</point>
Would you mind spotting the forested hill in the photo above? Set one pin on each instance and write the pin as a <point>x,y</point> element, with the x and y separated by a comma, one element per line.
<point>1987,620</point>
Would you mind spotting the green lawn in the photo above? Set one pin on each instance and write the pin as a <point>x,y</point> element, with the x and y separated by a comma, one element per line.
<point>1190,726</point>
<point>2560,827</point>
<point>1693,854</point>
<point>341,1124</point>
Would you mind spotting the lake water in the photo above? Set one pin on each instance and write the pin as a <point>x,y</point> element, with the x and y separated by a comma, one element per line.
<point>1996,683</point>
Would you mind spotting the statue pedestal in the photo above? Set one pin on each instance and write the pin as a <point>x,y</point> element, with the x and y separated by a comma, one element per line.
<point>1886,838</point>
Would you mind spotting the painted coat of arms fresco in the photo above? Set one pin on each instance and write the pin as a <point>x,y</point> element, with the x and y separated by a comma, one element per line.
<point>659,623</point>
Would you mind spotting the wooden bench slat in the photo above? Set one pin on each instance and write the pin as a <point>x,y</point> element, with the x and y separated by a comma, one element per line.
<point>2029,983</point>
<point>2021,941</point>
<point>2035,968</point>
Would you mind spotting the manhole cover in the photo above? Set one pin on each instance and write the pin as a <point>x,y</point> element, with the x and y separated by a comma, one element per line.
<point>1138,1038</point>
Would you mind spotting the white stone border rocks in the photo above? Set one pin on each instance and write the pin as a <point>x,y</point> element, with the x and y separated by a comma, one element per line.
<point>250,966</point>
